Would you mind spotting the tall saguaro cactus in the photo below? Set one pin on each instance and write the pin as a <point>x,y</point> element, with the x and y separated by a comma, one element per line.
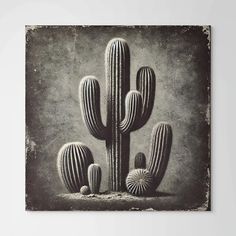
<point>126,110</point>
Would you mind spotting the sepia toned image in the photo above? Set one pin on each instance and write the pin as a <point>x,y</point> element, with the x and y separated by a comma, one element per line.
<point>118,118</point>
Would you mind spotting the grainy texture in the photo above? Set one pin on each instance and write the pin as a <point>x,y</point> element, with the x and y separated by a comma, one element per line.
<point>57,58</point>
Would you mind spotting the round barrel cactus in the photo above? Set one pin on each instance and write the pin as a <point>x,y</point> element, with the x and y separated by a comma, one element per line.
<point>139,182</point>
<point>94,177</point>
<point>140,161</point>
<point>84,190</point>
<point>72,164</point>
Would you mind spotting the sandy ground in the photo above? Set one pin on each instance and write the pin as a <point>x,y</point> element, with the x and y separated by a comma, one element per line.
<point>116,201</point>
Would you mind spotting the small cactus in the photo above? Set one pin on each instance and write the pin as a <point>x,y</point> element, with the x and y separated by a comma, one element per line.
<point>160,151</point>
<point>94,177</point>
<point>139,182</point>
<point>84,190</point>
<point>72,164</point>
<point>140,161</point>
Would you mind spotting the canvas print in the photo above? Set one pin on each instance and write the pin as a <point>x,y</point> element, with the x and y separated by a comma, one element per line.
<point>118,118</point>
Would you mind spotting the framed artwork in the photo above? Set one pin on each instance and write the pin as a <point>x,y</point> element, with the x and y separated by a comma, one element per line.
<point>118,118</point>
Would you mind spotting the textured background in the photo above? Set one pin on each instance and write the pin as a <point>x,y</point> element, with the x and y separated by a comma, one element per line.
<point>56,60</point>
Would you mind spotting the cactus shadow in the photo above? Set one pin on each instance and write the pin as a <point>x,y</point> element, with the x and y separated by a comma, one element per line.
<point>161,194</point>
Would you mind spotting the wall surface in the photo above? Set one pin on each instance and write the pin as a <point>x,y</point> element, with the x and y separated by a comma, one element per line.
<point>14,15</point>
<point>57,58</point>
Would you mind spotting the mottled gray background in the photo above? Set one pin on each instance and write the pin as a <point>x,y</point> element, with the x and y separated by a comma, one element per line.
<point>57,58</point>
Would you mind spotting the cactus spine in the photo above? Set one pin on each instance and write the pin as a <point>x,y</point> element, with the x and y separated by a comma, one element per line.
<point>94,177</point>
<point>140,161</point>
<point>139,182</point>
<point>72,164</point>
<point>160,151</point>
<point>126,110</point>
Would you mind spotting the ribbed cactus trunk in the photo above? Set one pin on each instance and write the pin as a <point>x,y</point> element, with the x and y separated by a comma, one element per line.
<point>118,85</point>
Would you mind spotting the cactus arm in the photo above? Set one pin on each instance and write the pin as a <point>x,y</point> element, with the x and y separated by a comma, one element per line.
<point>146,85</point>
<point>133,111</point>
<point>89,92</point>
<point>160,151</point>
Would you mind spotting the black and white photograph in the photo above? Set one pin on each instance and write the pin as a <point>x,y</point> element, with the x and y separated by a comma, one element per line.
<point>118,118</point>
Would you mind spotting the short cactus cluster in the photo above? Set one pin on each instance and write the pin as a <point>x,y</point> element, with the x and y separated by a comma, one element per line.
<point>127,111</point>
<point>72,163</point>
<point>161,141</point>
<point>76,169</point>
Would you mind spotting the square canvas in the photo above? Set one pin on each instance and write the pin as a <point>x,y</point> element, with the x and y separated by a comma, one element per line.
<point>118,118</point>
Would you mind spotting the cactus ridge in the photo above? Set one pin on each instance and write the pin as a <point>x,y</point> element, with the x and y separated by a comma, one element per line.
<point>139,182</point>
<point>94,177</point>
<point>160,151</point>
<point>72,163</point>
<point>140,161</point>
